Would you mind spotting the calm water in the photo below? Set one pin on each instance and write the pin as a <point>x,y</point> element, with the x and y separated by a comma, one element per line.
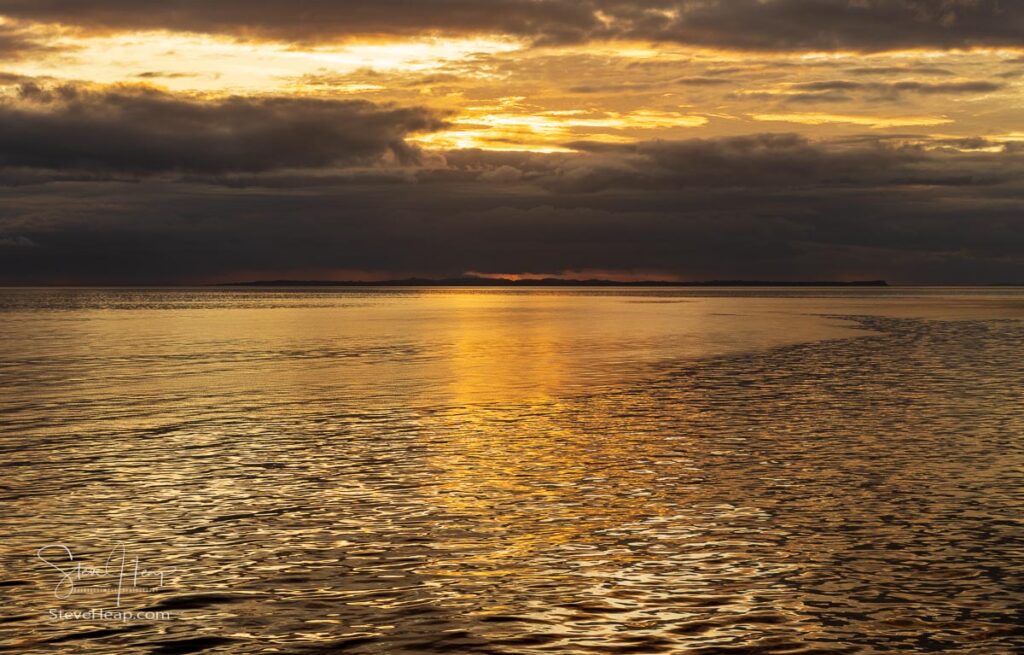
<point>508,471</point>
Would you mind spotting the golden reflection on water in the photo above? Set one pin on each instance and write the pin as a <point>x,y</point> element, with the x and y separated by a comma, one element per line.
<point>478,369</point>
<point>518,472</point>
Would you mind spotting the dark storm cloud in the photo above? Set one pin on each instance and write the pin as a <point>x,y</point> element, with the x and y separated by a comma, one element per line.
<point>866,25</point>
<point>755,206</point>
<point>320,20</point>
<point>140,130</point>
<point>780,161</point>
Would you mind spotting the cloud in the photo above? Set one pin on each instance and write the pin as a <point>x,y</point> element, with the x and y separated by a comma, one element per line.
<point>142,131</point>
<point>703,81</point>
<point>898,70</point>
<point>13,79</point>
<point>782,161</point>
<point>770,205</point>
<point>838,91</point>
<point>924,88</point>
<point>320,20</point>
<point>814,98</point>
<point>16,242</point>
<point>149,75</point>
<point>862,25</point>
<point>611,88</point>
<point>17,43</point>
<point>131,183</point>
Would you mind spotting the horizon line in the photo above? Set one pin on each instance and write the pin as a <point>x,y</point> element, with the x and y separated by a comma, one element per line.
<point>467,282</point>
<point>476,281</point>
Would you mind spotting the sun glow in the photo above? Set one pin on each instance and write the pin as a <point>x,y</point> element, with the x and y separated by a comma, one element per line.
<point>550,131</point>
<point>874,122</point>
<point>206,63</point>
<point>605,91</point>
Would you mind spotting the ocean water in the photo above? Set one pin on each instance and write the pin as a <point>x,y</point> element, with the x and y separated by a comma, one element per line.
<point>512,471</point>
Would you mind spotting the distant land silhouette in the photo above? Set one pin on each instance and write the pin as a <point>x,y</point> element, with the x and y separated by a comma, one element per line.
<point>547,282</point>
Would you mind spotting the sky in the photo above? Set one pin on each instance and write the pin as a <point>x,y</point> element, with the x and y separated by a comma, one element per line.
<point>188,142</point>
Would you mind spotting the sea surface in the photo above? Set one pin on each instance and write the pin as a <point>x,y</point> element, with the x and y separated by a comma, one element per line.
<point>512,471</point>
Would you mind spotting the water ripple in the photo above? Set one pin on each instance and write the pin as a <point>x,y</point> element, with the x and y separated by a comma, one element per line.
<point>855,494</point>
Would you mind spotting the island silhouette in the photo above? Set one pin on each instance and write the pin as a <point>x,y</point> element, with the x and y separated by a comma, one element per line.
<point>471,281</point>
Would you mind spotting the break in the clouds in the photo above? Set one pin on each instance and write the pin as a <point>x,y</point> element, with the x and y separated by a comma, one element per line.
<point>868,25</point>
